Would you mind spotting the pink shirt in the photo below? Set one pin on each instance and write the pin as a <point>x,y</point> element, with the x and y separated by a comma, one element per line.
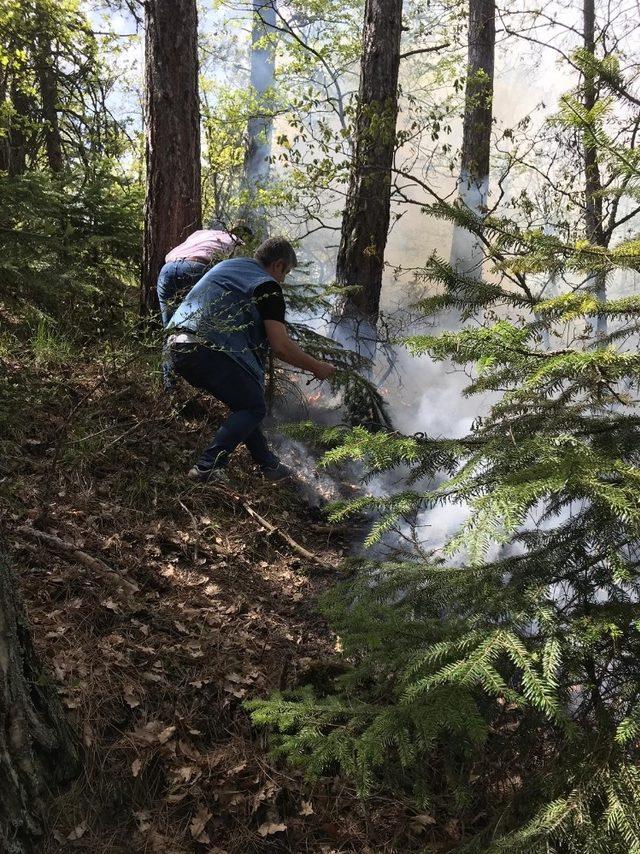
<point>203,245</point>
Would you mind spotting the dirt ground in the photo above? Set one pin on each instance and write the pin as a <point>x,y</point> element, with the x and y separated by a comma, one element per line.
<point>162,606</point>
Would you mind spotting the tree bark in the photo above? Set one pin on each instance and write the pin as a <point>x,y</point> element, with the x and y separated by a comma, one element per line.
<point>37,749</point>
<point>5,150</point>
<point>173,208</point>
<point>49,103</point>
<point>257,165</point>
<point>365,221</point>
<point>473,181</point>
<point>593,182</point>
<point>17,134</point>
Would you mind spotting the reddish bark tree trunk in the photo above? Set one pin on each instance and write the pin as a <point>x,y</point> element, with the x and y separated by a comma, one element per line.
<point>37,750</point>
<point>365,221</point>
<point>173,208</point>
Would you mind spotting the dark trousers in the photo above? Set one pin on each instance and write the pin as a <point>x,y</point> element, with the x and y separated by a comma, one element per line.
<point>217,373</point>
<point>174,282</point>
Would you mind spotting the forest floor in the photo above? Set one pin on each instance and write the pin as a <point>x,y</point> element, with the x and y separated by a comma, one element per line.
<point>160,608</point>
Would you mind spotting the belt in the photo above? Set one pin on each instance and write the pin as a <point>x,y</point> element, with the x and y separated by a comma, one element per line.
<point>178,338</point>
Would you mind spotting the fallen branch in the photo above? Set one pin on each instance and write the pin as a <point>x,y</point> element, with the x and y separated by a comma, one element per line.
<point>305,553</point>
<point>71,550</point>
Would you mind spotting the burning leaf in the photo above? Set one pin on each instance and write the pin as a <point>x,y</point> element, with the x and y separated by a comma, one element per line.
<point>270,827</point>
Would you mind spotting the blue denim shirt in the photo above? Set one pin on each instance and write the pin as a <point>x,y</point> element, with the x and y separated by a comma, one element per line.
<point>220,310</point>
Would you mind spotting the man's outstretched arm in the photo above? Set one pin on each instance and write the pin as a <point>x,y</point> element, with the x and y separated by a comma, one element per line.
<point>285,348</point>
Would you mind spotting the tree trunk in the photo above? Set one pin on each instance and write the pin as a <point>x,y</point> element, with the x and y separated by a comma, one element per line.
<point>5,128</point>
<point>17,133</point>
<point>173,208</point>
<point>593,184</point>
<point>49,103</point>
<point>473,182</point>
<point>257,164</point>
<point>37,750</point>
<point>365,221</point>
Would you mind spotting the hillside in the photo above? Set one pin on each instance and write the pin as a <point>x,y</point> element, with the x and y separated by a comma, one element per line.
<point>160,607</point>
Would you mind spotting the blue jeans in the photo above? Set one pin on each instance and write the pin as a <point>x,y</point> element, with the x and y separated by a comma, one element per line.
<point>174,282</point>
<point>217,373</point>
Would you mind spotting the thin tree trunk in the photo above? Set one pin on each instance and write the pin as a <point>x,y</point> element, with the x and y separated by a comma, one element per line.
<point>173,208</point>
<point>473,181</point>
<point>257,165</point>
<point>5,150</point>
<point>17,136</point>
<point>593,184</point>
<point>49,104</point>
<point>365,221</point>
<point>37,750</point>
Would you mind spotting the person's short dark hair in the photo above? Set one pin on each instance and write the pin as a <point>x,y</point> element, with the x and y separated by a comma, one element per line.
<point>276,249</point>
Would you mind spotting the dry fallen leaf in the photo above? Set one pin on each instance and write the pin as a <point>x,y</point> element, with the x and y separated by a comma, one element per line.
<point>419,823</point>
<point>306,808</point>
<point>166,734</point>
<point>136,765</point>
<point>130,699</point>
<point>198,823</point>
<point>87,735</point>
<point>143,818</point>
<point>78,832</point>
<point>270,827</point>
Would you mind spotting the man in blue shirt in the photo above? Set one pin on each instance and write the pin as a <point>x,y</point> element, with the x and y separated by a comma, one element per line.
<point>218,340</point>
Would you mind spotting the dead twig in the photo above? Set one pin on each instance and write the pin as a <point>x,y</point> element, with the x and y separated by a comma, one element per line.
<point>305,553</point>
<point>71,550</point>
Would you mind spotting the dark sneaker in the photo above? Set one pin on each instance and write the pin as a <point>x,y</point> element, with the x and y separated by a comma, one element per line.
<point>212,475</point>
<point>277,473</point>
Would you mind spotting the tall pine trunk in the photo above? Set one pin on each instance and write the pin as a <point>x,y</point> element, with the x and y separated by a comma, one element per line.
<point>365,221</point>
<point>173,208</point>
<point>593,183</point>
<point>257,165</point>
<point>473,181</point>
<point>37,750</point>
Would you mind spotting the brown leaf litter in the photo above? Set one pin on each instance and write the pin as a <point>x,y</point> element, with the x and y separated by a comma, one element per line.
<point>160,608</point>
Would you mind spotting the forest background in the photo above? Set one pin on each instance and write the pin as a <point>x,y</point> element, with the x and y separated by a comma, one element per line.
<point>461,183</point>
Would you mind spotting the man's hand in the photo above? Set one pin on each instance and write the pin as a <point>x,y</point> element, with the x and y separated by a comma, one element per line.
<point>324,371</point>
<point>287,350</point>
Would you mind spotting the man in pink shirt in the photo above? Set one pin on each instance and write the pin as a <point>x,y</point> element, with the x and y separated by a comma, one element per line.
<point>186,264</point>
